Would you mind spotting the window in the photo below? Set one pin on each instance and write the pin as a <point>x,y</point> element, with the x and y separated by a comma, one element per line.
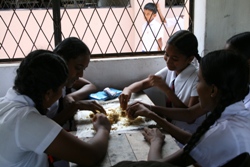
<point>108,27</point>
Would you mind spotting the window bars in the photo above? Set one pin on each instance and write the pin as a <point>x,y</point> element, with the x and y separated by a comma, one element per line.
<point>108,27</point>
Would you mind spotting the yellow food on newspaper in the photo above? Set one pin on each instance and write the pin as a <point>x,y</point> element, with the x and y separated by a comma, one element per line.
<point>113,116</point>
<point>118,114</point>
<point>137,121</point>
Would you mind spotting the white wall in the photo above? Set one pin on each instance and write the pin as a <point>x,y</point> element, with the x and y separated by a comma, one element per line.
<point>217,20</point>
<point>199,24</point>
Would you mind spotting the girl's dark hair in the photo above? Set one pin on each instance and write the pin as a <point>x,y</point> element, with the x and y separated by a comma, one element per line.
<point>221,68</point>
<point>240,43</point>
<point>151,6</point>
<point>39,72</point>
<point>186,42</point>
<point>71,48</point>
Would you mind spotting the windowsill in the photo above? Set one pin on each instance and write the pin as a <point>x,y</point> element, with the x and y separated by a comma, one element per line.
<point>125,58</point>
<point>16,63</point>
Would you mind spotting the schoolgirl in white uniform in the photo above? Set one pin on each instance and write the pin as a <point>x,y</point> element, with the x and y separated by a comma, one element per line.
<point>185,88</point>
<point>25,133</point>
<point>28,136</point>
<point>77,56</point>
<point>181,49</point>
<point>226,131</point>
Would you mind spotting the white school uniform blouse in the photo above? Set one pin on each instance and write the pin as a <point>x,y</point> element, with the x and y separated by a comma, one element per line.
<point>227,138</point>
<point>25,133</point>
<point>185,87</point>
<point>150,34</point>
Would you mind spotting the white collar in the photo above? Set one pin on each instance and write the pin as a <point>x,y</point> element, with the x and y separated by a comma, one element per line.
<point>182,77</point>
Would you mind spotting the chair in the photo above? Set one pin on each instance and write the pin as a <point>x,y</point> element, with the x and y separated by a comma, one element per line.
<point>242,160</point>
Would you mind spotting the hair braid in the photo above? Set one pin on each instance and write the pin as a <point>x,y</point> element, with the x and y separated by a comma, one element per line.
<point>201,130</point>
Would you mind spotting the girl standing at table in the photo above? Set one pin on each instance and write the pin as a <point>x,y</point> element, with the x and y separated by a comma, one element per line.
<point>77,56</point>
<point>178,80</point>
<point>226,131</point>
<point>27,135</point>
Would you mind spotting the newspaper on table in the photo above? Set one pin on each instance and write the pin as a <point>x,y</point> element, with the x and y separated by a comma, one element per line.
<point>122,125</point>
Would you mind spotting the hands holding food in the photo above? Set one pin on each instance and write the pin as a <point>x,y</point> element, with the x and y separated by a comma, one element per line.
<point>90,105</point>
<point>124,98</point>
<point>101,121</point>
<point>138,109</point>
<point>118,118</point>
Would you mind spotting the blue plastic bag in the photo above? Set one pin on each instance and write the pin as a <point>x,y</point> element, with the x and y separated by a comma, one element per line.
<point>102,95</point>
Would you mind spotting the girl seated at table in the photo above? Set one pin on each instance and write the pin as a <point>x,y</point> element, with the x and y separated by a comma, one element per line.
<point>240,43</point>
<point>226,131</point>
<point>178,80</point>
<point>27,135</point>
<point>77,89</point>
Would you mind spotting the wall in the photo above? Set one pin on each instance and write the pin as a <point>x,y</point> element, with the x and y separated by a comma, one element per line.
<point>217,20</point>
<point>199,24</point>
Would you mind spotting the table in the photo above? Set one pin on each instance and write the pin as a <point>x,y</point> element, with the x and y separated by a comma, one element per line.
<point>131,145</point>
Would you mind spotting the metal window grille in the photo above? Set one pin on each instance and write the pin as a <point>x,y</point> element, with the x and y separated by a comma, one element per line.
<point>108,27</point>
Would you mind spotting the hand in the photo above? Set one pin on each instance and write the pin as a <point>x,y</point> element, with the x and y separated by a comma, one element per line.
<point>124,98</point>
<point>157,6</point>
<point>138,109</point>
<point>156,81</point>
<point>153,135</point>
<point>101,121</point>
<point>90,105</point>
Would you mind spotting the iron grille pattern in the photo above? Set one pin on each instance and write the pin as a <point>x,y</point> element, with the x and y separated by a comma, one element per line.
<point>108,27</point>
